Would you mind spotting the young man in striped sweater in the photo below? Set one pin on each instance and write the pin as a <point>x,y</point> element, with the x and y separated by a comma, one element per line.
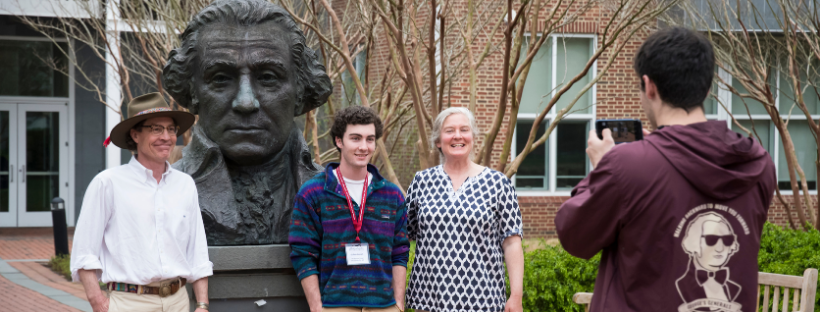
<point>350,258</point>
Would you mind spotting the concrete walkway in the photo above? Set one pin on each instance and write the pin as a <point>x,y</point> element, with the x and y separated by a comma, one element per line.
<point>26,284</point>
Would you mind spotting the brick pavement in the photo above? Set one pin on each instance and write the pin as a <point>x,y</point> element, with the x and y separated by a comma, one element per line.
<point>17,298</point>
<point>28,243</point>
<point>31,244</point>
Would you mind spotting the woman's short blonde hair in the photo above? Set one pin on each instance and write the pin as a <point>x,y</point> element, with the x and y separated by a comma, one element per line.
<point>435,135</point>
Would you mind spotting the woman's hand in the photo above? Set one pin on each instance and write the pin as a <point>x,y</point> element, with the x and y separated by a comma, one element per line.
<point>514,304</point>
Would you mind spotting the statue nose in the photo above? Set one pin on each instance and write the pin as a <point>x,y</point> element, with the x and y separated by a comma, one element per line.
<point>245,101</point>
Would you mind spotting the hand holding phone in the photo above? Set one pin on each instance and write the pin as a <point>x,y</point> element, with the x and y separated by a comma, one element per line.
<point>623,130</point>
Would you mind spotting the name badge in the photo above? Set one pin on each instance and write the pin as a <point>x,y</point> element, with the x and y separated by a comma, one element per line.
<point>357,254</point>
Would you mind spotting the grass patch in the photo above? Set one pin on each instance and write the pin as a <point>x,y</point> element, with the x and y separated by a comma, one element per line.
<point>62,265</point>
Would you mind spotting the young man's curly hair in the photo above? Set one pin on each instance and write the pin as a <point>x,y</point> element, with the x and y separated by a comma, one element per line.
<point>354,115</point>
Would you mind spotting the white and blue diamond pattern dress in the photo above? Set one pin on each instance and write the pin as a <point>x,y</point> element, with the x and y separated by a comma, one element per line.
<point>459,263</point>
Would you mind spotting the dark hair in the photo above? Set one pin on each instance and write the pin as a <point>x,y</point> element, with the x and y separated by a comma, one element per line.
<point>354,115</point>
<point>681,63</point>
<point>129,141</point>
<point>313,84</point>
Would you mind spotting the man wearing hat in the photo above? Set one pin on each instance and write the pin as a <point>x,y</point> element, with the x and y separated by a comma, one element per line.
<point>140,230</point>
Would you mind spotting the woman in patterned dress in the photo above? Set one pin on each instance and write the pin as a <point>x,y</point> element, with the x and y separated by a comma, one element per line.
<point>466,223</point>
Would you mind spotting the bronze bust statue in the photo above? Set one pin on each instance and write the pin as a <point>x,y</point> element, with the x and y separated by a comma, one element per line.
<point>244,68</point>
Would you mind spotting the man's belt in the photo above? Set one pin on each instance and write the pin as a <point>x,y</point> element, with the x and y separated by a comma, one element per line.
<point>165,288</point>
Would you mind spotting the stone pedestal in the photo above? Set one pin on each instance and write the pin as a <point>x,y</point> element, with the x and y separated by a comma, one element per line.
<point>245,274</point>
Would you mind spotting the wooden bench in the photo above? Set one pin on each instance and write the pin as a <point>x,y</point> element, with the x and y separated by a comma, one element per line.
<point>800,289</point>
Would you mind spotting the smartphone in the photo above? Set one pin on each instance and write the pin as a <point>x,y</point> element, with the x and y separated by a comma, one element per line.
<point>623,130</point>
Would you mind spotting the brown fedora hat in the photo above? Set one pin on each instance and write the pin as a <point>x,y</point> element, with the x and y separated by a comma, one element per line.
<point>143,107</point>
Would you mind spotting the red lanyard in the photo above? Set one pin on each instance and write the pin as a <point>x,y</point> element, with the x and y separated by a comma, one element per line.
<point>356,223</point>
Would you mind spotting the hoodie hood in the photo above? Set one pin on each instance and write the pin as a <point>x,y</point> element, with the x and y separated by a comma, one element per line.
<point>717,161</point>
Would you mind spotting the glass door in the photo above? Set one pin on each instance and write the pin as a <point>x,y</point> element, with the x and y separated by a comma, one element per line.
<point>8,165</point>
<point>43,159</point>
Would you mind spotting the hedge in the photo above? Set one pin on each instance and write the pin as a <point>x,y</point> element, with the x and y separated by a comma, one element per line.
<point>789,252</point>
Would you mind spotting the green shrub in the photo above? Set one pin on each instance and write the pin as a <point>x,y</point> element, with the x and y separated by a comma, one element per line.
<point>552,276</point>
<point>790,252</point>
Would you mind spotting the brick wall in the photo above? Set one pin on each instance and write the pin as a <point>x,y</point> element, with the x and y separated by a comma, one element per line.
<point>539,215</point>
<point>778,215</point>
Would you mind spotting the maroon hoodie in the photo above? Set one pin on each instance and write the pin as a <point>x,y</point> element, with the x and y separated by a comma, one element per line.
<point>678,217</point>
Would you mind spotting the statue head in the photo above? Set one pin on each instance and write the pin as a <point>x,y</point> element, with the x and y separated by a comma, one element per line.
<point>244,68</point>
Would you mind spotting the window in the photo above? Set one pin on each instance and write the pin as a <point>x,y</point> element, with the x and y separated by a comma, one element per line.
<point>805,149</point>
<point>766,133</point>
<point>573,164</point>
<point>532,173</point>
<point>29,68</point>
<point>561,162</point>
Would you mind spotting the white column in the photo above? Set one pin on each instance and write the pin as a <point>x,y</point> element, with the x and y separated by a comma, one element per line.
<point>113,88</point>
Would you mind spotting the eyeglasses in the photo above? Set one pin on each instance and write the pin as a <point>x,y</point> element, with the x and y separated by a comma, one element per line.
<point>711,240</point>
<point>158,130</point>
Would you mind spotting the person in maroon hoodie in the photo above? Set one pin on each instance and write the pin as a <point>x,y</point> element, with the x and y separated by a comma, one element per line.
<point>679,214</point>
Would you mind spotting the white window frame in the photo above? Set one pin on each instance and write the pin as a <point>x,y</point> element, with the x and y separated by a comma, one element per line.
<point>723,114</point>
<point>550,117</point>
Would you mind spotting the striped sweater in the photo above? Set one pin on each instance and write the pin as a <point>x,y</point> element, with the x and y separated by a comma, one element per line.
<point>321,226</point>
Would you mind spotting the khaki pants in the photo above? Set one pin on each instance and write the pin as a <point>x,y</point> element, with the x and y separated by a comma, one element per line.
<point>120,301</point>
<point>394,308</point>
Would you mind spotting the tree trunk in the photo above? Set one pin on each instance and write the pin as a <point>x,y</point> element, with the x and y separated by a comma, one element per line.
<point>786,206</point>
<point>502,102</point>
<point>388,167</point>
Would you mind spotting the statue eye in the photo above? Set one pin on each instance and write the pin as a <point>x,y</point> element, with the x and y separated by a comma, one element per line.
<point>267,77</point>
<point>221,78</point>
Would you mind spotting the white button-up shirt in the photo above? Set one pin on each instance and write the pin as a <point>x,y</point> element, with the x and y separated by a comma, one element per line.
<point>137,231</point>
